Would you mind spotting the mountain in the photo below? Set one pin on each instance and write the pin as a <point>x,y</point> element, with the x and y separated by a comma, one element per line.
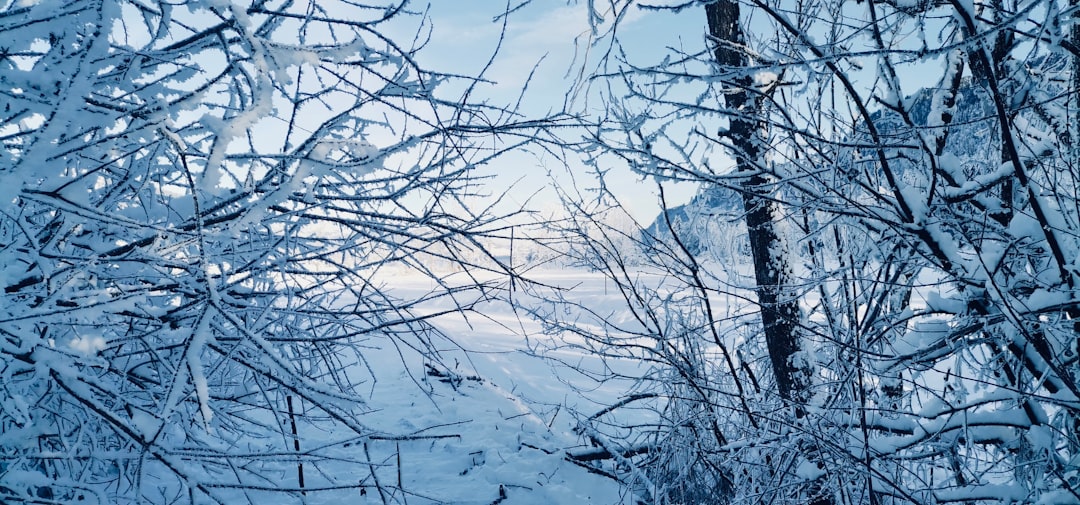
<point>713,217</point>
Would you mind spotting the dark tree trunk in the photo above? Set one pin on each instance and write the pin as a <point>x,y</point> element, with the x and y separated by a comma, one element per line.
<point>772,270</point>
<point>780,315</point>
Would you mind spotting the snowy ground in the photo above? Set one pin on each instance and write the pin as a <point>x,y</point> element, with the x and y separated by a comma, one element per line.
<point>498,429</point>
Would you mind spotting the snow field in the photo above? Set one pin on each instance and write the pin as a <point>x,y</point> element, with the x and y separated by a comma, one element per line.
<point>490,422</point>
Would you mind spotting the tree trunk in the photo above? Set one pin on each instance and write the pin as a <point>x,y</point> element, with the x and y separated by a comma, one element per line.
<point>780,315</point>
<point>772,269</point>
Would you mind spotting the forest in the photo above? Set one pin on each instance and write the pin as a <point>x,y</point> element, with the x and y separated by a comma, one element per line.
<point>264,251</point>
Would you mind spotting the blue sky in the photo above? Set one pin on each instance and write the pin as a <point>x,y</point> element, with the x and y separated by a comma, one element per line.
<point>555,35</point>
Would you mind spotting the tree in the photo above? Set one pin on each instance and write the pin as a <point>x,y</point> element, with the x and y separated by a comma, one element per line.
<point>920,160</point>
<point>196,199</point>
<point>772,265</point>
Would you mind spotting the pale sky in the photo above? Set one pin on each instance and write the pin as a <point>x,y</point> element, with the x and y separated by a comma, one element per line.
<point>464,36</point>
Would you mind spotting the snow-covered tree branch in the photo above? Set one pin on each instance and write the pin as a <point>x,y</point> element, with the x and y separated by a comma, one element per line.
<point>919,159</point>
<point>197,199</point>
